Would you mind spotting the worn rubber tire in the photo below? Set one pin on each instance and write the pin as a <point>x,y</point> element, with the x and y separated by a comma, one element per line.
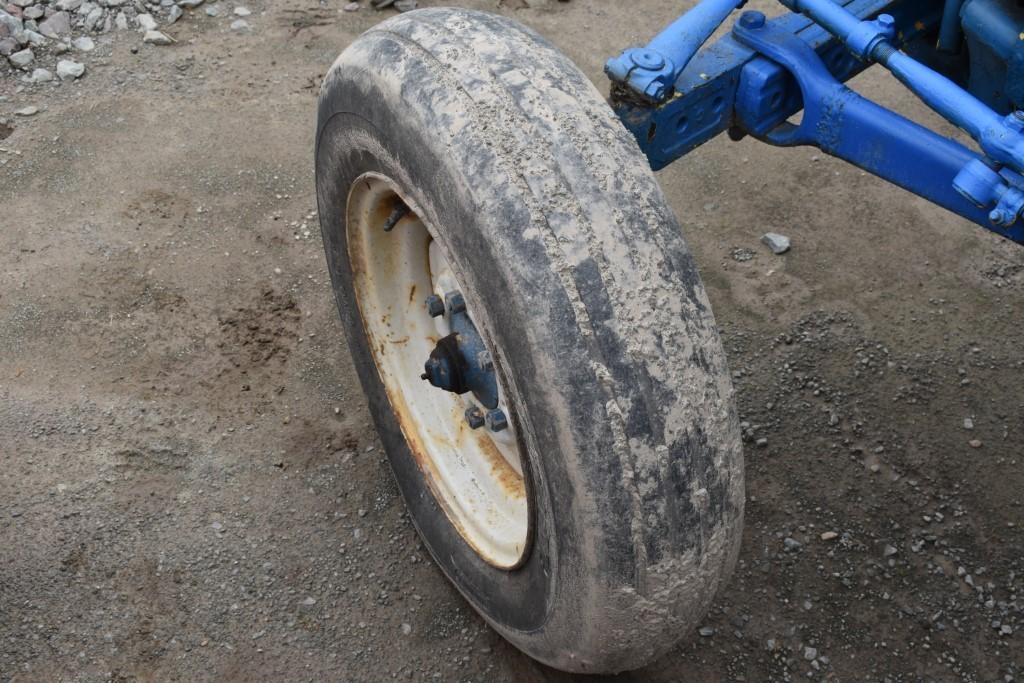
<point>577,272</point>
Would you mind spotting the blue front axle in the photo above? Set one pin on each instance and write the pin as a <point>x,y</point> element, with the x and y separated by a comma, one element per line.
<point>674,98</point>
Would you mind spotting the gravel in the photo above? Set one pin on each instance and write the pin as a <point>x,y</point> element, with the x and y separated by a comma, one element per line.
<point>69,70</point>
<point>156,38</point>
<point>23,58</point>
<point>779,244</point>
<point>193,464</point>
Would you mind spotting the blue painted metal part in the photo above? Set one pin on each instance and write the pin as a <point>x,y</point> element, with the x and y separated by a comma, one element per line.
<point>993,29</point>
<point>652,70</point>
<point>997,136</point>
<point>702,106</point>
<point>950,33</point>
<point>753,80</point>
<point>846,125</point>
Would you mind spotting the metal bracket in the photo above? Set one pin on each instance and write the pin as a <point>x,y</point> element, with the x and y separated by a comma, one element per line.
<point>650,72</point>
<point>844,124</point>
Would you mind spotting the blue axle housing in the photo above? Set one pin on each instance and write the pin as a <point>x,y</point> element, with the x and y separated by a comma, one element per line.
<point>964,58</point>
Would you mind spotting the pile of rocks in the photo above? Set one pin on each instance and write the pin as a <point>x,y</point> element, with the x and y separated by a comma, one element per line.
<point>35,34</point>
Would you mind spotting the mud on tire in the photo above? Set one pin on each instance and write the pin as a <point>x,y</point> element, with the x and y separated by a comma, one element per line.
<point>603,334</point>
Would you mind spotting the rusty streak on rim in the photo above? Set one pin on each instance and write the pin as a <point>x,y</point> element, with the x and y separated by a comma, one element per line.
<point>476,476</point>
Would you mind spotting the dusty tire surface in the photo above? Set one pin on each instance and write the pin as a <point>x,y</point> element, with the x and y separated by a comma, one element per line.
<point>604,335</point>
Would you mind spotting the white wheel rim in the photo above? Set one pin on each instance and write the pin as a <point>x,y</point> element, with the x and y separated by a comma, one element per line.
<point>475,475</point>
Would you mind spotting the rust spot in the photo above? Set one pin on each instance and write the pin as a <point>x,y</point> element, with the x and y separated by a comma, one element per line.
<point>403,340</point>
<point>412,292</point>
<point>510,481</point>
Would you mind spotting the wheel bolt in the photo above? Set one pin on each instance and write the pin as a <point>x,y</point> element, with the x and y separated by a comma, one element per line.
<point>496,420</point>
<point>456,302</point>
<point>474,418</point>
<point>435,306</point>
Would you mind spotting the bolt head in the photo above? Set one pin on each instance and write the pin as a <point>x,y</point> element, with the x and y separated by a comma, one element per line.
<point>435,306</point>
<point>656,91</point>
<point>752,19</point>
<point>496,420</point>
<point>647,59</point>
<point>474,418</point>
<point>997,216</point>
<point>886,21</point>
<point>455,301</point>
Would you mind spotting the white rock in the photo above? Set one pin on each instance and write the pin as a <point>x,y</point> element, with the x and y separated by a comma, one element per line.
<point>27,111</point>
<point>190,4</point>
<point>84,44</point>
<point>68,70</point>
<point>157,38</point>
<point>174,14</point>
<point>146,22</point>
<point>42,76</point>
<point>242,11</point>
<point>10,24</point>
<point>212,10</point>
<point>22,59</point>
<point>59,24</point>
<point>68,5</point>
<point>94,18</point>
<point>34,38</point>
<point>239,25</point>
<point>121,21</point>
<point>23,3</point>
<point>779,244</point>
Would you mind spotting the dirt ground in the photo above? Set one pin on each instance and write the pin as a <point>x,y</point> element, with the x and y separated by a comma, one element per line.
<point>190,485</point>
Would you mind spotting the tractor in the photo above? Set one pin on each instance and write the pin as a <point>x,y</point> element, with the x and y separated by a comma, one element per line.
<point>529,327</point>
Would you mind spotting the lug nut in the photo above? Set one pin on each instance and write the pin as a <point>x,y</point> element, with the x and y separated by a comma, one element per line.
<point>474,418</point>
<point>496,420</point>
<point>435,306</point>
<point>456,302</point>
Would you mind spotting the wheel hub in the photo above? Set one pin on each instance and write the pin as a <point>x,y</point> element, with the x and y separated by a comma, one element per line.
<point>456,420</point>
<point>460,362</point>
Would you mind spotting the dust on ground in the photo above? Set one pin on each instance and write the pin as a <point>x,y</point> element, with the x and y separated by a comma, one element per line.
<point>192,489</point>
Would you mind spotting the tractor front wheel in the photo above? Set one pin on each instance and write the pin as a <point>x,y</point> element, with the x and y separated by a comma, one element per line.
<point>532,336</point>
